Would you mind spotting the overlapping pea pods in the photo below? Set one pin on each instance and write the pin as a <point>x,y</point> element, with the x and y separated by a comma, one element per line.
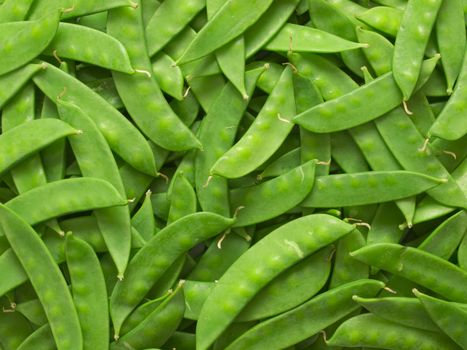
<point>233,174</point>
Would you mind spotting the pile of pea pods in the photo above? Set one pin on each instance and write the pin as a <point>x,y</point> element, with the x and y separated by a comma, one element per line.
<point>233,174</point>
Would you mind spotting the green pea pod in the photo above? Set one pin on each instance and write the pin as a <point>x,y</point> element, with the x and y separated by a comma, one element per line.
<point>79,43</point>
<point>168,245</point>
<point>14,10</point>
<point>89,293</point>
<point>273,123</point>
<point>41,339</point>
<point>232,19</point>
<point>29,138</point>
<point>328,307</point>
<point>405,311</point>
<point>182,198</point>
<point>383,18</point>
<point>371,331</point>
<point>274,197</point>
<point>140,92</point>
<point>23,41</point>
<point>14,329</point>
<point>418,266</point>
<point>33,311</point>
<point>285,246</point>
<point>158,326</point>
<point>46,278</point>
<point>123,137</point>
<point>143,220</point>
<point>297,38</point>
<point>64,197</point>
<point>343,190</point>
<point>168,76</point>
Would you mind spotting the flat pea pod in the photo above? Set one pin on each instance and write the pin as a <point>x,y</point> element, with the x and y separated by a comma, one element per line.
<point>143,220</point>
<point>418,266</point>
<point>41,339</point>
<point>371,331</point>
<point>196,293</point>
<point>279,250</point>
<point>33,311</point>
<point>282,165</point>
<point>273,123</point>
<point>462,253</point>
<point>123,137</point>
<point>447,315</point>
<point>158,326</point>
<point>172,16</point>
<point>450,27</point>
<point>14,10</point>
<point>182,198</point>
<point>379,50</point>
<point>383,18</point>
<point>213,194</point>
<point>347,154</point>
<point>408,150</point>
<point>64,197</point>
<point>299,282</point>
<point>328,307</point>
<point>267,25</point>
<point>300,38</point>
<point>80,43</point>
<point>168,76</point>
<point>274,197</point>
<point>445,239</point>
<point>26,139</point>
<point>350,109</point>
<point>411,41</point>
<point>450,123</point>
<point>11,83</point>
<point>75,8</point>
<point>403,310</point>
<point>14,329</point>
<point>46,278</point>
<point>232,19</point>
<point>23,41</point>
<point>385,225</point>
<point>89,292</point>
<point>343,190</point>
<point>90,149</point>
<point>140,92</point>
<point>168,245</point>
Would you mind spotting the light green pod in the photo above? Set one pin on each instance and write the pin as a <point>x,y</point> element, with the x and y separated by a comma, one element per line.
<point>168,75</point>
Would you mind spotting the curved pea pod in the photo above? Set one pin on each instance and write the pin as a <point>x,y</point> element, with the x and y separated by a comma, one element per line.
<point>80,43</point>
<point>40,339</point>
<point>379,51</point>
<point>268,25</point>
<point>213,194</point>
<point>411,41</point>
<point>23,41</point>
<point>371,331</point>
<point>64,197</point>
<point>28,138</point>
<point>182,198</point>
<point>46,278</point>
<point>297,325</point>
<point>89,292</point>
<point>418,266</point>
<point>140,92</point>
<point>409,151</point>
<point>173,16</point>
<point>343,190</point>
<point>274,197</point>
<point>450,123</point>
<point>408,312</point>
<point>383,18</point>
<point>196,293</point>
<point>75,8</point>
<point>462,253</point>
<point>298,38</point>
<point>122,136</point>
<point>298,283</point>
<point>350,110</point>
<point>33,311</point>
<point>158,326</point>
<point>279,250</point>
<point>11,83</point>
<point>273,123</point>
<point>447,315</point>
<point>143,220</point>
<point>168,245</point>
<point>283,164</point>
<point>445,239</point>
<point>232,19</point>
<point>14,10</point>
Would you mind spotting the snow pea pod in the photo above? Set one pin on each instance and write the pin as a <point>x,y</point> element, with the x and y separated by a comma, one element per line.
<point>46,278</point>
<point>279,250</point>
<point>366,188</point>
